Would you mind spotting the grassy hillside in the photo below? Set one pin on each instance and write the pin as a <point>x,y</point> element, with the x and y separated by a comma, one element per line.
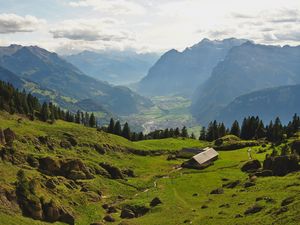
<point>185,193</point>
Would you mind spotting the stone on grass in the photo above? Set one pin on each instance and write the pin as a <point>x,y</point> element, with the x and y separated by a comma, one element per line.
<point>156,201</point>
<point>254,209</point>
<point>287,201</point>
<point>217,191</point>
<point>109,218</point>
<point>252,165</point>
<point>127,214</point>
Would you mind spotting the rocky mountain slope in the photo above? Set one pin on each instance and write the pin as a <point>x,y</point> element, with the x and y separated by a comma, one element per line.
<point>266,103</point>
<point>246,68</point>
<point>181,72</point>
<point>50,72</point>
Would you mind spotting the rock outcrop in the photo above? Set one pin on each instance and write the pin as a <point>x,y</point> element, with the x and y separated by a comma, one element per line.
<point>251,166</point>
<point>73,169</point>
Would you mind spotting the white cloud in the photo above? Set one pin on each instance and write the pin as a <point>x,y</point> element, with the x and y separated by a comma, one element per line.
<point>12,23</point>
<point>116,7</point>
<point>91,30</point>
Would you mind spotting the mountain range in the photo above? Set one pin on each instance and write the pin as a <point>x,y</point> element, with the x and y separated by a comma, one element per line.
<point>246,68</point>
<point>268,103</point>
<point>180,73</point>
<point>54,76</point>
<point>115,67</point>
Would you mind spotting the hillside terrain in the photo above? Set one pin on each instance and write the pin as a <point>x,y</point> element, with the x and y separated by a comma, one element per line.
<point>246,68</point>
<point>179,73</point>
<point>90,176</point>
<point>267,103</point>
<point>115,67</point>
<point>59,81</point>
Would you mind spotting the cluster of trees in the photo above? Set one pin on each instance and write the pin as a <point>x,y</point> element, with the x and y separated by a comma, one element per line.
<point>252,128</point>
<point>14,101</point>
<point>124,131</point>
<point>169,133</point>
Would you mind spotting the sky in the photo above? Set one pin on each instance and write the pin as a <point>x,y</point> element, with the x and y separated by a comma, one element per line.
<point>70,26</point>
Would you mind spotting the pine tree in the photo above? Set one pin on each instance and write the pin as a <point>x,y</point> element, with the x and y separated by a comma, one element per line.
<point>177,132</point>
<point>221,130</point>
<point>117,128</point>
<point>126,131</point>
<point>235,129</point>
<point>202,134</point>
<point>77,117</point>
<point>184,132</point>
<point>44,112</point>
<point>193,136</point>
<point>260,131</point>
<point>92,121</point>
<point>141,136</point>
<point>111,126</point>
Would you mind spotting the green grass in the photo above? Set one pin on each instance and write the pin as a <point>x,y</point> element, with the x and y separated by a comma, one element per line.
<point>174,187</point>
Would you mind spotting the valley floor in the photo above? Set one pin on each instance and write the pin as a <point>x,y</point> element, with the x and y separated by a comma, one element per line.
<point>184,193</point>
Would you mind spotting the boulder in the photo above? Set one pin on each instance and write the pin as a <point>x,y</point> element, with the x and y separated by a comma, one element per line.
<point>9,136</point>
<point>109,218</point>
<point>224,206</point>
<point>51,212</point>
<point>112,209</point>
<point>65,144</point>
<point>66,217</point>
<point>32,161</point>
<point>31,207</point>
<point>264,173</point>
<point>232,184</point>
<point>49,166</point>
<point>127,214</point>
<point>99,149</point>
<point>283,165</point>
<point>2,137</point>
<point>250,166</point>
<point>217,191</point>
<point>138,210</point>
<point>295,146</point>
<point>115,172</point>
<point>254,209</point>
<point>249,184</point>
<point>75,169</point>
<point>128,172</point>
<point>51,183</point>
<point>281,210</point>
<point>287,201</point>
<point>105,206</point>
<point>156,201</point>
<point>10,154</point>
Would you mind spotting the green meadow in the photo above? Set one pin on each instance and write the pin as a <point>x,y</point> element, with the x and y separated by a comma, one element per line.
<point>184,193</point>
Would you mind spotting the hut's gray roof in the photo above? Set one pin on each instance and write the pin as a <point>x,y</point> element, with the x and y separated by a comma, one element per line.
<point>206,155</point>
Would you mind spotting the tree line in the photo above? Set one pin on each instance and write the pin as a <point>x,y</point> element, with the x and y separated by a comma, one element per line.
<point>116,128</point>
<point>252,128</point>
<point>14,101</point>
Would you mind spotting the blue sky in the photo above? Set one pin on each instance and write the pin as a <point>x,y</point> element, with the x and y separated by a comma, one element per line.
<point>68,26</point>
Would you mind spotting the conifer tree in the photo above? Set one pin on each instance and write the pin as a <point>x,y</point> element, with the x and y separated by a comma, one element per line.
<point>202,134</point>
<point>44,112</point>
<point>126,131</point>
<point>111,126</point>
<point>92,121</point>
<point>117,128</point>
<point>184,132</point>
<point>235,129</point>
